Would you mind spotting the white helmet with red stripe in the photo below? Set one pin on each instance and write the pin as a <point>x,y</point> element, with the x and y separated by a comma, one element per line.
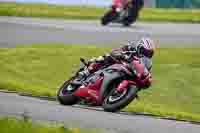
<point>146,47</point>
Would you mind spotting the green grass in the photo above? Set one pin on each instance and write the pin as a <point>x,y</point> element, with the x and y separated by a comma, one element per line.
<point>86,12</point>
<point>42,69</point>
<point>13,125</point>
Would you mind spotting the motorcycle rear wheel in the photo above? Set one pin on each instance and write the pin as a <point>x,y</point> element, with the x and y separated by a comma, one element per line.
<point>107,18</point>
<point>66,97</point>
<point>131,18</point>
<point>121,102</point>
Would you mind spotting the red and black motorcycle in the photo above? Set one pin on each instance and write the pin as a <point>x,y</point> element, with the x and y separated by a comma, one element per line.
<point>113,87</point>
<point>126,13</point>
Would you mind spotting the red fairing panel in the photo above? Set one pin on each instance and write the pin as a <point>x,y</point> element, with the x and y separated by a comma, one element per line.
<point>82,92</point>
<point>90,92</point>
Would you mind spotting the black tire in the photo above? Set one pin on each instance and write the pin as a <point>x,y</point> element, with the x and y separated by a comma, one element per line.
<point>130,95</point>
<point>133,15</point>
<point>107,18</point>
<point>134,10</point>
<point>140,4</point>
<point>126,23</point>
<point>66,98</point>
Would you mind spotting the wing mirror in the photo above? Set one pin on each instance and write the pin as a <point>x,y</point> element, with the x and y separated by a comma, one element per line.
<point>83,61</point>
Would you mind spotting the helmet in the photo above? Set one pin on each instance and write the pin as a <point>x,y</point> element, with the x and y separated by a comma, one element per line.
<point>146,47</point>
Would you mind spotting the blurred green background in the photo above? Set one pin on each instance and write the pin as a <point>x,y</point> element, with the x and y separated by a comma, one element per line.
<point>148,3</point>
<point>177,3</point>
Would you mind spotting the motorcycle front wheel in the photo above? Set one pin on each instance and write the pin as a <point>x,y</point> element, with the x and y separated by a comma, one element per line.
<point>115,101</point>
<point>65,94</point>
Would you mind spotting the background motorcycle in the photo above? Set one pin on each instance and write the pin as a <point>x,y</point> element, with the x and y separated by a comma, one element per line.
<point>113,88</point>
<point>126,15</point>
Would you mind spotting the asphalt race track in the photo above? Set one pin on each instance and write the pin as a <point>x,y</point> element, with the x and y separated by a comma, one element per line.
<point>14,105</point>
<point>15,30</point>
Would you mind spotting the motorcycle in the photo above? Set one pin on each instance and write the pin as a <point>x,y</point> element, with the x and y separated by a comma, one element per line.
<point>113,87</point>
<point>126,14</point>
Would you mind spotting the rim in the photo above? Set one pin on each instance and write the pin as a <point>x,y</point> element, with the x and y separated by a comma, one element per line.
<point>116,96</point>
<point>68,89</point>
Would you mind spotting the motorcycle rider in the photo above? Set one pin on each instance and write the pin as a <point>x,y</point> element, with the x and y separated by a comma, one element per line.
<point>123,3</point>
<point>135,5</point>
<point>143,51</point>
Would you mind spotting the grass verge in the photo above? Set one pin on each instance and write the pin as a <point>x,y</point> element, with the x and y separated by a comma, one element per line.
<point>13,125</point>
<point>41,69</point>
<point>86,12</point>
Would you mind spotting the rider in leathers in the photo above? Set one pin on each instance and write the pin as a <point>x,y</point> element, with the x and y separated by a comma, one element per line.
<point>134,7</point>
<point>143,50</point>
